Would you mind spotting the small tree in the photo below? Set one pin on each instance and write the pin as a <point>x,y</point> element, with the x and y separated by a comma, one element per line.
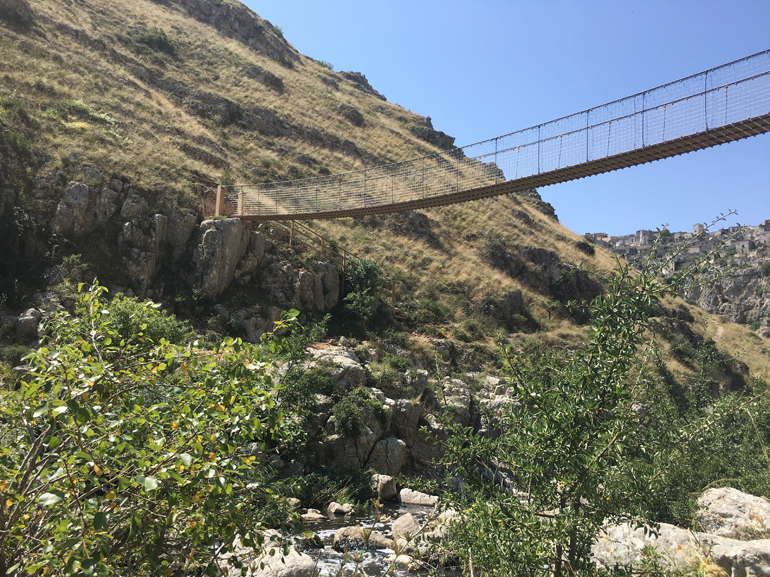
<point>364,277</point>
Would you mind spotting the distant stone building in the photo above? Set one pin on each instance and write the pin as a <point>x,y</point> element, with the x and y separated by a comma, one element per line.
<point>698,229</point>
<point>644,237</point>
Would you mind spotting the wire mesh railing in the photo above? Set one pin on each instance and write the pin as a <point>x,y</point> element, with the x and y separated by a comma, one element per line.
<point>722,97</point>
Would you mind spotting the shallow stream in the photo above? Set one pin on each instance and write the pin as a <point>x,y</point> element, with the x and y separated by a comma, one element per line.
<point>330,561</point>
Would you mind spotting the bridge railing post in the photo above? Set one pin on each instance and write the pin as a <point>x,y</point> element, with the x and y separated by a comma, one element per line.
<point>219,206</point>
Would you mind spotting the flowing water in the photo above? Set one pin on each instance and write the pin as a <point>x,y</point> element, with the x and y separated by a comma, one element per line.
<point>330,561</point>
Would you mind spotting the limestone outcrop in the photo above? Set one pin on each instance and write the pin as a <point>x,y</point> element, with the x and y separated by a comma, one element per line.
<point>222,245</point>
<point>734,542</point>
<point>237,21</point>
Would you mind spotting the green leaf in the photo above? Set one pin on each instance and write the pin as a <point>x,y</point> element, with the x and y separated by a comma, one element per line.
<point>42,410</point>
<point>148,483</point>
<point>186,459</point>
<point>88,566</point>
<point>50,498</point>
<point>100,521</point>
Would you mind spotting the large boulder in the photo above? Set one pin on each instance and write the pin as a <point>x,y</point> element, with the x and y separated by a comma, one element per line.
<point>676,549</point>
<point>388,456</point>
<point>346,369</point>
<point>412,497</point>
<point>385,485</point>
<point>222,244</point>
<point>731,513</point>
<point>26,324</point>
<point>405,527</point>
<point>354,538</point>
<point>268,563</point>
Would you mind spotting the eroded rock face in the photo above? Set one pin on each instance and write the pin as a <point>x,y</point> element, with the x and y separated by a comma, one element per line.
<point>426,132</point>
<point>181,224</point>
<point>347,370</point>
<point>82,208</point>
<point>352,114</point>
<point>235,20</point>
<point>17,12</point>
<point>142,246</point>
<point>743,296</point>
<point>26,324</point>
<point>361,83</point>
<point>222,244</point>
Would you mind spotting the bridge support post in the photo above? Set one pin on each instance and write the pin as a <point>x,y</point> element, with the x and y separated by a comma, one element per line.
<point>291,234</point>
<point>219,207</point>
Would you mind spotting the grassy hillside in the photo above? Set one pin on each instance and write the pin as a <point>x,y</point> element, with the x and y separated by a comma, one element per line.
<point>175,97</point>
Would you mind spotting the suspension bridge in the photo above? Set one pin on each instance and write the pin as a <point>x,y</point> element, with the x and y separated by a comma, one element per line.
<point>720,105</point>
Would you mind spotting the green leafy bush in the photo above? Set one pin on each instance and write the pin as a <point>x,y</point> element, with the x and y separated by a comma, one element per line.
<point>564,446</point>
<point>586,247</point>
<point>157,40</point>
<point>350,412</point>
<point>430,311</point>
<point>363,278</point>
<point>123,455</point>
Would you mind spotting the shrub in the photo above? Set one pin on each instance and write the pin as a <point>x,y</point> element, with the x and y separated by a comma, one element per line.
<point>120,455</point>
<point>363,278</point>
<point>586,247</point>
<point>142,321</point>
<point>429,310</point>
<point>566,450</point>
<point>352,410</point>
<point>325,64</point>
<point>157,40</point>
<point>401,364</point>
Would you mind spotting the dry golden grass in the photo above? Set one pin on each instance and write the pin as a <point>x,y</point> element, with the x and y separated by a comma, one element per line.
<point>48,65</point>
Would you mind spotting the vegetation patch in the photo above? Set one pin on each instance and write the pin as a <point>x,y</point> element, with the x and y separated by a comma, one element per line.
<point>351,411</point>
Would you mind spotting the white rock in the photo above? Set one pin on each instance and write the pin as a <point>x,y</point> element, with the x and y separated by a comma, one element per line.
<point>294,564</point>
<point>405,526</point>
<point>417,498</point>
<point>732,513</point>
<point>337,509</point>
<point>385,485</point>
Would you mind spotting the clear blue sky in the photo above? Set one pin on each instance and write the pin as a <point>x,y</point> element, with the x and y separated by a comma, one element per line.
<point>482,68</point>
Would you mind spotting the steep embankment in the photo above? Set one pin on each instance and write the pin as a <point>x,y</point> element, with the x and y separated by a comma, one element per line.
<point>116,120</point>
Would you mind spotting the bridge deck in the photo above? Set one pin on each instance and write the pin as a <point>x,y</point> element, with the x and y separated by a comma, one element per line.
<point>715,107</point>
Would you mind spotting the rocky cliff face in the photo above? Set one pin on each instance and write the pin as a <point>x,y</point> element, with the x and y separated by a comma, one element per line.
<point>734,277</point>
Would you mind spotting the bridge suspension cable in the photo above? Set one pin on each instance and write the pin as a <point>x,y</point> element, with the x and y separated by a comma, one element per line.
<point>720,105</point>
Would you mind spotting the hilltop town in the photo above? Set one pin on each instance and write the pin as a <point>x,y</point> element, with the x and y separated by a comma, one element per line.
<point>741,254</point>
